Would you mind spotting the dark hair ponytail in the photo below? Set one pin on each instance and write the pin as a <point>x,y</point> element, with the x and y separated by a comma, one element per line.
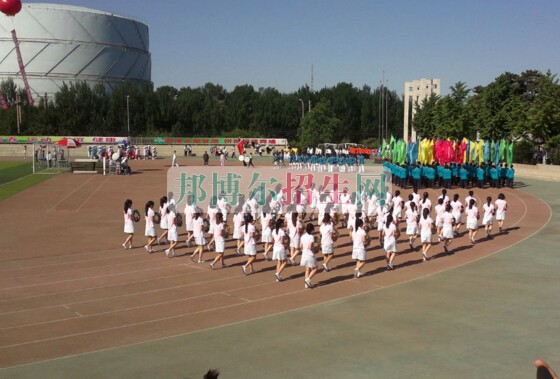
<point>389,220</point>
<point>248,220</point>
<point>149,204</point>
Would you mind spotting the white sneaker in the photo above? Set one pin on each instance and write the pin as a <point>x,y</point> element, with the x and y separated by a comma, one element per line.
<point>167,252</point>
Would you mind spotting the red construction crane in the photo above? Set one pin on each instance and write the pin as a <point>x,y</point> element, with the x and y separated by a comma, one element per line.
<point>22,69</point>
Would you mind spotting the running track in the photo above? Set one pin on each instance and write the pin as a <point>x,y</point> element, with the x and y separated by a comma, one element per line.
<point>66,289</point>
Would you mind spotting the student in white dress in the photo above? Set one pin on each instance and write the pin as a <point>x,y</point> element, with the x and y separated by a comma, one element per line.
<point>425,203</point>
<point>327,241</point>
<point>444,197</point>
<point>128,224</point>
<point>172,235</point>
<point>266,236</point>
<point>308,259</point>
<point>150,230</point>
<point>488,218</point>
<point>412,224</point>
<point>501,208</point>
<point>237,225</point>
<point>390,236</point>
<point>279,250</point>
<point>223,206</point>
<point>397,202</point>
<point>371,207</point>
<point>457,210</point>
<point>472,220</point>
<point>248,232</point>
<point>163,204</point>
<point>468,198</point>
<point>381,216</point>
<point>447,224</point>
<point>189,214</point>
<point>416,198</point>
<point>426,230</point>
<point>219,241</point>
<point>198,235</point>
<point>295,228</point>
<point>358,247</point>
<point>351,210</point>
<point>440,210</point>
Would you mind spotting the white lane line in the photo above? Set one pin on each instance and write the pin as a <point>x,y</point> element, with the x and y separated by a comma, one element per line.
<point>70,194</point>
<point>93,193</point>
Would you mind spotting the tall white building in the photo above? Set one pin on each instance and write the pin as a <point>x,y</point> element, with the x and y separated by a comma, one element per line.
<point>415,92</point>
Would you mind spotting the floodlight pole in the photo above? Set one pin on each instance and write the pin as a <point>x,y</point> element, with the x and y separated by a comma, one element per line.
<point>302,108</point>
<point>128,115</point>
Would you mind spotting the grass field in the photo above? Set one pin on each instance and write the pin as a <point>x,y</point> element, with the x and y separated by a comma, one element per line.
<point>16,177</point>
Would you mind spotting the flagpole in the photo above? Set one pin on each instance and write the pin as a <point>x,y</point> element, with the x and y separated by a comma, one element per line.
<point>379,133</point>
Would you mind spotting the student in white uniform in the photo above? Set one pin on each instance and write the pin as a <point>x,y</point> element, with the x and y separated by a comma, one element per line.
<point>416,198</point>
<point>472,220</point>
<point>381,216</point>
<point>468,199</point>
<point>150,230</point>
<point>501,208</point>
<point>314,196</point>
<point>266,236</point>
<point>301,202</point>
<point>358,247</point>
<point>237,225</point>
<point>128,224</point>
<point>426,230</point>
<point>189,214</point>
<point>390,236</point>
<point>198,235</point>
<point>447,224</point>
<point>444,197</point>
<point>223,206</point>
<point>425,203</point>
<point>440,210</point>
<point>308,259</point>
<point>163,204</point>
<point>412,224</point>
<point>248,232</point>
<point>371,207</point>
<point>295,228</point>
<point>279,250</point>
<point>219,241</point>
<point>457,210</point>
<point>172,235</point>
<point>327,241</point>
<point>351,209</point>
<point>488,218</point>
<point>397,202</point>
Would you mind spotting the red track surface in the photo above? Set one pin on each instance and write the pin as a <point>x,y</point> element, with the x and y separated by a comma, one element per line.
<point>68,287</point>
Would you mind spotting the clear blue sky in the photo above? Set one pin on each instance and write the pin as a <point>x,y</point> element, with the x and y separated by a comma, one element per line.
<point>273,43</point>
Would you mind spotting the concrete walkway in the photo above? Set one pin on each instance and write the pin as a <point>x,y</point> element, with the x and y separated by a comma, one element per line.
<point>488,319</point>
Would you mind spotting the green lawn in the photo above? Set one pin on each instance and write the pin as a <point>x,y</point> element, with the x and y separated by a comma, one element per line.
<point>16,177</point>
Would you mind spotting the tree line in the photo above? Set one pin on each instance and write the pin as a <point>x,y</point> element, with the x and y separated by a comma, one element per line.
<point>342,113</point>
<point>522,107</point>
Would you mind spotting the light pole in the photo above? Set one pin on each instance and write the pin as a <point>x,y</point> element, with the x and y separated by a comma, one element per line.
<point>302,108</point>
<point>128,115</point>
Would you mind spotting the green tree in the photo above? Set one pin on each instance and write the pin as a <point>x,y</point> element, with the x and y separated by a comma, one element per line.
<point>319,125</point>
